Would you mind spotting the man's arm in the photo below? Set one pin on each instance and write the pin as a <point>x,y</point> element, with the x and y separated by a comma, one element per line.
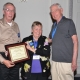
<point>6,62</point>
<point>75,52</point>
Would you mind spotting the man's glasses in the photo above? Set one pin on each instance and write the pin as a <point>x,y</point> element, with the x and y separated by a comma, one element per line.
<point>8,10</point>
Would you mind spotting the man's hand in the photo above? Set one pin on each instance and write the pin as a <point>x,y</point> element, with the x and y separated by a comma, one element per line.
<point>6,53</point>
<point>8,63</point>
<point>74,65</point>
<point>49,40</point>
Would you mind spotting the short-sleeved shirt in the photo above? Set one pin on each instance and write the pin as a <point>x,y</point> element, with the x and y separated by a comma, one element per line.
<point>62,44</point>
<point>8,34</point>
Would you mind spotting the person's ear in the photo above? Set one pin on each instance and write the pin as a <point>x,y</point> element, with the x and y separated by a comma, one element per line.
<point>31,31</point>
<point>3,12</point>
<point>61,10</point>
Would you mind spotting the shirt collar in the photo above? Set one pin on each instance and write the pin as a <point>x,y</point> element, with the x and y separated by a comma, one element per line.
<point>4,22</point>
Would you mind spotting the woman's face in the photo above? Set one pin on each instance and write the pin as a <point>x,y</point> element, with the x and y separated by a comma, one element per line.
<point>37,31</point>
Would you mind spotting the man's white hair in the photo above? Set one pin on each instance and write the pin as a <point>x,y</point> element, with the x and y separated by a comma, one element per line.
<point>56,4</point>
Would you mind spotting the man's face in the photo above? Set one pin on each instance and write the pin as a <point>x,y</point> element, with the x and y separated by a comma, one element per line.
<point>9,12</point>
<point>56,12</point>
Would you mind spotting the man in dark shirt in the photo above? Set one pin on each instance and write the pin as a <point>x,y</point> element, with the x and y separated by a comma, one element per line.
<point>64,45</point>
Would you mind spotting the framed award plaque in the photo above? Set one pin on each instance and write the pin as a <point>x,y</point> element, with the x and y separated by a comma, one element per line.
<point>17,52</point>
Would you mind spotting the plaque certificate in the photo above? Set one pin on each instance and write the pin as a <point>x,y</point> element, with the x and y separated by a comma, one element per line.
<point>17,52</point>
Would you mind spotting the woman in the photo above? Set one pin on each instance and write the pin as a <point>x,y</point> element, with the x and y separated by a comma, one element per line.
<point>38,66</point>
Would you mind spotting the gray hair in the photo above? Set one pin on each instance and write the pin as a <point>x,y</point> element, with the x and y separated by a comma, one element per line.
<point>56,4</point>
<point>36,23</point>
<point>4,7</point>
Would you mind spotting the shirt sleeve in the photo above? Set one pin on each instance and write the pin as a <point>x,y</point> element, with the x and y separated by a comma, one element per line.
<point>18,33</point>
<point>19,36</point>
<point>72,29</point>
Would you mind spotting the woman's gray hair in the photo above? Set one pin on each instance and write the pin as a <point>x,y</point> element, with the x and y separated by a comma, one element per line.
<point>36,23</point>
<point>56,4</point>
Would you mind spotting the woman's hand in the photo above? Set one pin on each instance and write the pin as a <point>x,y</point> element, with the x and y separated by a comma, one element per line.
<point>30,48</point>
